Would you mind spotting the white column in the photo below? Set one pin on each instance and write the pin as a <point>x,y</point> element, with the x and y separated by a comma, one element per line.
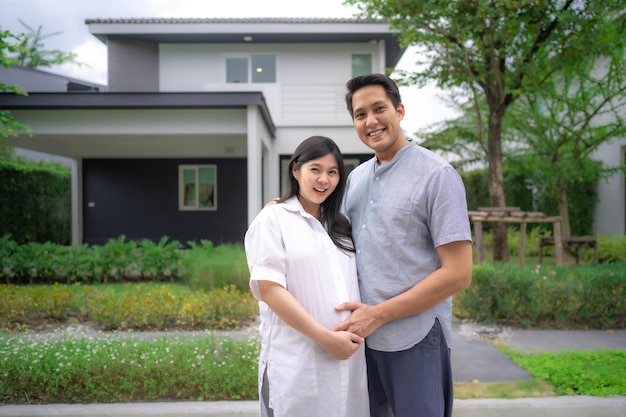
<point>77,201</point>
<point>255,157</point>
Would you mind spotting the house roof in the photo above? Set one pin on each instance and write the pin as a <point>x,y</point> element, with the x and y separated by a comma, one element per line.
<point>251,30</point>
<point>90,100</point>
<point>36,79</point>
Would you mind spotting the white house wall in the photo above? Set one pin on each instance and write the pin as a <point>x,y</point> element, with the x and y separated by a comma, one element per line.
<point>137,133</point>
<point>307,98</point>
<point>314,74</point>
<point>288,138</point>
<point>610,215</point>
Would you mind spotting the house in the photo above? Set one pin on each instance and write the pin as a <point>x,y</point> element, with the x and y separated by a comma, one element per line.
<point>194,130</point>
<point>610,213</point>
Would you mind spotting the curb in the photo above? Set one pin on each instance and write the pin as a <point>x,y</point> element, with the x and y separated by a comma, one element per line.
<point>570,406</point>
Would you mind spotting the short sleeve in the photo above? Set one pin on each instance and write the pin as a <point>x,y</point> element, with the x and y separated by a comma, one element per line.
<point>448,206</point>
<point>265,251</point>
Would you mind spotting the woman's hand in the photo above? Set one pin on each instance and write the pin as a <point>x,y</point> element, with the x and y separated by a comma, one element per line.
<point>341,345</point>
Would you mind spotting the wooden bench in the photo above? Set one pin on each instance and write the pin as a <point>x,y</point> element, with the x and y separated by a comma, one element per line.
<point>514,215</point>
<point>574,242</point>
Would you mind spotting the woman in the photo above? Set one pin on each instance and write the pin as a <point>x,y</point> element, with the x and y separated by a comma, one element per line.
<point>301,261</point>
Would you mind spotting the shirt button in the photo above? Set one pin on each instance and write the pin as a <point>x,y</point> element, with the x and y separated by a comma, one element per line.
<point>358,251</point>
<point>371,201</point>
<point>363,226</point>
<point>377,178</point>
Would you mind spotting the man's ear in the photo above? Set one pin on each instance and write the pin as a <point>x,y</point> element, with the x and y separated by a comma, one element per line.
<point>400,111</point>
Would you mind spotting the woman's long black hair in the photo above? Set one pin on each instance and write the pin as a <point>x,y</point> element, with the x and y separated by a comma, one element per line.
<point>336,223</point>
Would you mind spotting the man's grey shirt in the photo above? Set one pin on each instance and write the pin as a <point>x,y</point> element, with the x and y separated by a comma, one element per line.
<point>400,212</point>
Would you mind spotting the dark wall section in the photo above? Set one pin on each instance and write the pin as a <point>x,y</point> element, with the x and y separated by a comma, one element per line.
<point>138,198</point>
<point>133,65</point>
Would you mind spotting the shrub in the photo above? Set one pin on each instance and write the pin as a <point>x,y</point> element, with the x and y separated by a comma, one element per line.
<point>590,296</point>
<point>211,267</point>
<point>116,261</point>
<point>138,307</point>
<point>22,304</point>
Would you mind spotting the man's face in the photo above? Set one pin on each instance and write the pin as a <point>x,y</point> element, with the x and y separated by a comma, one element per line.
<point>377,122</point>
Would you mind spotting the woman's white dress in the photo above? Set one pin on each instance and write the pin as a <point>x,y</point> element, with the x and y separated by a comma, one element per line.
<point>287,245</point>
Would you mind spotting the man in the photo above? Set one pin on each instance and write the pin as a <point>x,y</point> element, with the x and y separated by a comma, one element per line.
<point>412,238</point>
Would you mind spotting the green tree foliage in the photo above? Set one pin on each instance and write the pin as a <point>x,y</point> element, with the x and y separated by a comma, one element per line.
<point>502,49</point>
<point>549,136</point>
<point>9,46</point>
<point>31,52</point>
<point>26,49</point>
<point>564,123</point>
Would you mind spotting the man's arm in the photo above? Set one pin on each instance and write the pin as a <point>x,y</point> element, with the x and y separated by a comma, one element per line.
<point>454,275</point>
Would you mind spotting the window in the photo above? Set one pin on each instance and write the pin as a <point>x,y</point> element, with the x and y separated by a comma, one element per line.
<point>236,70</point>
<point>361,64</point>
<point>258,68</point>
<point>263,68</point>
<point>197,185</point>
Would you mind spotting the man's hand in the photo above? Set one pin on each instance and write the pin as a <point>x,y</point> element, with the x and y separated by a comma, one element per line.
<point>363,320</point>
<point>274,200</point>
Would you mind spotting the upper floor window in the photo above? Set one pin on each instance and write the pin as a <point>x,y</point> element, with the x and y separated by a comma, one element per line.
<point>361,64</point>
<point>197,187</point>
<point>254,68</point>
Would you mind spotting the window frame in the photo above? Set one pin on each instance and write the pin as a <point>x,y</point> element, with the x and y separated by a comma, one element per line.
<point>250,71</point>
<point>182,203</point>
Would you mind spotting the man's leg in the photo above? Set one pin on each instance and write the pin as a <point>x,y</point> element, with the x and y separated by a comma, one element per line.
<point>412,382</point>
<point>379,404</point>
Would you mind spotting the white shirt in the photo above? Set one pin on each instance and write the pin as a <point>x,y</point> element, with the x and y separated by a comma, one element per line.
<point>286,245</point>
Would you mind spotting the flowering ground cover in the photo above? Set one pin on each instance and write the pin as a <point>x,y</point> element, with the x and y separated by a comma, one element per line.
<point>116,367</point>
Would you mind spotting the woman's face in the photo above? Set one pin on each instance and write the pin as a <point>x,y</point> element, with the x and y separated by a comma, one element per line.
<point>317,178</point>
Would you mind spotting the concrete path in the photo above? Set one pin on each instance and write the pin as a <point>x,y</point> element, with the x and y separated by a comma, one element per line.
<point>579,406</point>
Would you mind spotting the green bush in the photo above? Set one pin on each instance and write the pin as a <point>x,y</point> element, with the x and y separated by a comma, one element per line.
<point>592,296</point>
<point>224,308</point>
<point>138,307</point>
<point>21,304</point>
<point>35,202</point>
<point>610,249</point>
<point>211,267</point>
<point>118,260</point>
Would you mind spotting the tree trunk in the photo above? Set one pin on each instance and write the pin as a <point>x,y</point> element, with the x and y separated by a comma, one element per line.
<point>496,182</point>
<point>564,213</point>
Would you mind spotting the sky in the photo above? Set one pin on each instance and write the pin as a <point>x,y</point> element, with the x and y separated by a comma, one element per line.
<point>64,21</point>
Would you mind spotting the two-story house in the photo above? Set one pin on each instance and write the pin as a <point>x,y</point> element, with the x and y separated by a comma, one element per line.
<point>194,130</point>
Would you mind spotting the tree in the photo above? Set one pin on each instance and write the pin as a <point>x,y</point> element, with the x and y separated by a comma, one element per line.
<point>26,50</point>
<point>562,124</point>
<point>504,49</point>
<point>552,132</point>
<point>9,45</point>
<point>31,52</point>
